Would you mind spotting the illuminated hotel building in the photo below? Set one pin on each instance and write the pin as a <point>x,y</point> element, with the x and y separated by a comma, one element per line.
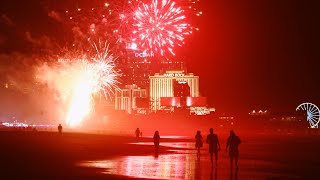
<point>126,98</point>
<point>137,70</point>
<point>163,85</point>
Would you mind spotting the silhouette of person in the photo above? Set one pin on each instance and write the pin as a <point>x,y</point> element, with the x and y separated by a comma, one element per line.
<point>156,140</point>
<point>232,145</point>
<point>137,132</point>
<point>214,146</point>
<point>60,129</point>
<point>199,142</point>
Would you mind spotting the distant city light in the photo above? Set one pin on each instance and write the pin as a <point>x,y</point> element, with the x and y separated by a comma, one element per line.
<point>258,112</point>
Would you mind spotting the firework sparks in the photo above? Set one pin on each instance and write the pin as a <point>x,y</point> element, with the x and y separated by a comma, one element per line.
<point>108,19</point>
<point>160,26</point>
<point>96,76</point>
<point>78,80</point>
<point>156,26</point>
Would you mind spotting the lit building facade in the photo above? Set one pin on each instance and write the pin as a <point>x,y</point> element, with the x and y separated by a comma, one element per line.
<point>126,98</point>
<point>138,69</point>
<point>139,73</point>
<point>164,85</point>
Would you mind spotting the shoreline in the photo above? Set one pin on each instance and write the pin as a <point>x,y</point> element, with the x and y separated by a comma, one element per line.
<point>48,155</point>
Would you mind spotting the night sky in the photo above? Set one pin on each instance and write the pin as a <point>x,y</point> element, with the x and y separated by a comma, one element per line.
<point>248,54</point>
<point>258,54</point>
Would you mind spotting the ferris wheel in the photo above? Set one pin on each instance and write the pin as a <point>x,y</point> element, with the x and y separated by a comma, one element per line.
<point>313,113</point>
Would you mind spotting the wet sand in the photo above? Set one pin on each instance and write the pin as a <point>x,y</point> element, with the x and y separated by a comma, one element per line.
<point>47,155</point>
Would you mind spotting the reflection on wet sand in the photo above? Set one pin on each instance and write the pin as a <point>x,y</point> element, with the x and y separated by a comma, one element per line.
<point>169,166</point>
<point>182,164</point>
<point>197,169</point>
<point>169,144</point>
<point>175,166</point>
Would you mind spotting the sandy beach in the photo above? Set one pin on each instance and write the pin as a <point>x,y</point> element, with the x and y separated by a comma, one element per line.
<point>48,155</point>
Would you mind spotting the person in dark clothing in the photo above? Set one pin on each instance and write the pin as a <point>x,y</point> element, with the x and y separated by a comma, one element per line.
<point>199,142</point>
<point>156,140</point>
<point>214,145</point>
<point>232,145</point>
<point>137,132</point>
<point>60,129</point>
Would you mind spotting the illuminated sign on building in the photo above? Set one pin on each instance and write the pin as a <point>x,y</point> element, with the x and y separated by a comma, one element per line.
<point>144,54</point>
<point>61,60</point>
<point>80,60</point>
<point>173,75</point>
<point>199,111</point>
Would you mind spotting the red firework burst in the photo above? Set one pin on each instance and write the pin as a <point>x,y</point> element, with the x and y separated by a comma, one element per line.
<point>159,27</point>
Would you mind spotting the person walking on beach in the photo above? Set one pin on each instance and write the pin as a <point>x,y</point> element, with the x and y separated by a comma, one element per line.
<point>199,142</point>
<point>156,141</point>
<point>137,132</point>
<point>60,129</point>
<point>232,145</point>
<point>214,146</point>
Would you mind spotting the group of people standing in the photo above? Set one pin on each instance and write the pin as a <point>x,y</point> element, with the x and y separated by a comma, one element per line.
<point>214,146</point>
<point>212,139</point>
